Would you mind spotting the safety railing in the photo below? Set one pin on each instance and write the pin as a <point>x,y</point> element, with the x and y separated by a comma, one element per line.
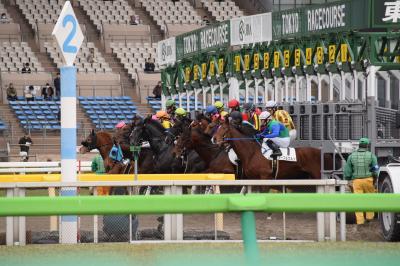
<point>245,204</point>
<point>326,222</point>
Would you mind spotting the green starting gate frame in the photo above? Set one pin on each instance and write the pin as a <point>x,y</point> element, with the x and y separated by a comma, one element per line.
<point>298,51</point>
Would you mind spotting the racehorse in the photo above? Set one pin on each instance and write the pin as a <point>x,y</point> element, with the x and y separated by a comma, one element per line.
<point>215,158</point>
<point>153,132</point>
<point>256,166</point>
<point>103,142</point>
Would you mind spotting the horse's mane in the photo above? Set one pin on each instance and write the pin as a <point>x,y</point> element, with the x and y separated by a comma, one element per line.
<point>104,134</point>
<point>154,123</point>
<point>247,130</point>
<point>201,116</point>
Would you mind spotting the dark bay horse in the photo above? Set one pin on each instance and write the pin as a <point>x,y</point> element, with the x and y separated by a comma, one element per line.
<point>153,132</point>
<point>215,158</point>
<point>256,166</point>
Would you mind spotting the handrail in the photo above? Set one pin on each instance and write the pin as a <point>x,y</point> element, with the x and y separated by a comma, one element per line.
<point>160,204</point>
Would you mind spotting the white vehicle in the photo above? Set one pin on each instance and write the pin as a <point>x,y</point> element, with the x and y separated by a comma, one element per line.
<point>389,182</point>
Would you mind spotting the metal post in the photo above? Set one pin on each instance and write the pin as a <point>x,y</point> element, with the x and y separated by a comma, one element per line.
<point>308,88</point>
<point>250,238</point>
<point>284,217</point>
<point>332,218</point>
<point>167,218</point>
<point>22,222</point>
<point>10,222</point>
<point>342,218</point>
<point>330,86</point>
<point>343,86</point>
<point>320,220</point>
<point>286,89</point>
<point>95,222</point>
<point>319,87</point>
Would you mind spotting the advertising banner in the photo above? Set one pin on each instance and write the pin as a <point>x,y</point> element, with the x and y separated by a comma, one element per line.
<point>251,29</point>
<point>166,52</point>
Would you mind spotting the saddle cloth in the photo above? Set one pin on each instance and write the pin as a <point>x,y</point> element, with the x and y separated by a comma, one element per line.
<point>288,154</point>
<point>232,156</point>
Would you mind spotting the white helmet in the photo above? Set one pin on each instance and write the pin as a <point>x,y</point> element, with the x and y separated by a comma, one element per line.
<point>270,104</point>
<point>264,115</point>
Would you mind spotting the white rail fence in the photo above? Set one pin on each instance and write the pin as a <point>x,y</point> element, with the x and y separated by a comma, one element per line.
<point>173,224</point>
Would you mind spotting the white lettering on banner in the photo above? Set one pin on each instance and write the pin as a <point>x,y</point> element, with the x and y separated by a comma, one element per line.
<point>326,18</point>
<point>392,12</point>
<point>190,44</point>
<point>215,36</point>
<point>290,23</point>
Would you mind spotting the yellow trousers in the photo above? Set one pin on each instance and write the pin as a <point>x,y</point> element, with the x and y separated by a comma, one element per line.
<point>363,185</point>
<point>103,191</point>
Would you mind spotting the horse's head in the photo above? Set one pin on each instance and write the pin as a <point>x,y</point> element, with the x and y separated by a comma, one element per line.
<point>184,141</point>
<point>138,133</point>
<point>89,143</point>
<point>222,132</point>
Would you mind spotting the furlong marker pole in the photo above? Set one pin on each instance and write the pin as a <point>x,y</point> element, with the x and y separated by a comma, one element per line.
<point>69,228</point>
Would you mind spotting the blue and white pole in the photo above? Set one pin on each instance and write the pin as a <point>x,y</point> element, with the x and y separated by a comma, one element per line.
<point>69,37</point>
<point>69,224</point>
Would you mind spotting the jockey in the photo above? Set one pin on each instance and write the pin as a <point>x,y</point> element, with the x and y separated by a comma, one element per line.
<point>171,107</point>
<point>212,113</point>
<point>275,134</point>
<point>180,114</point>
<point>283,117</point>
<point>220,107</point>
<point>164,119</point>
<point>120,125</point>
<point>234,105</point>
<point>251,115</point>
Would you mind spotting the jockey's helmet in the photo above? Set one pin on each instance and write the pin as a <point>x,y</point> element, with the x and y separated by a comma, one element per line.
<point>211,110</point>
<point>236,115</point>
<point>233,103</point>
<point>121,124</point>
<point>180,111</point>
<point>249,107</point>
<point>265,115</point>
<point>170,103</point>
<point>162,114</point>
<point>271,104</point>
<point>219,105</point>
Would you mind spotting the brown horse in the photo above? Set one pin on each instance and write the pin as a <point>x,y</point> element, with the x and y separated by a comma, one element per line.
<point>256,166</point>
<point>215,158</point>
<point>103,142</point>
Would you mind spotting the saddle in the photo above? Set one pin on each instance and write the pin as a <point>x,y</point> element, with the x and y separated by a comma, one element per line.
<point>288,154</point>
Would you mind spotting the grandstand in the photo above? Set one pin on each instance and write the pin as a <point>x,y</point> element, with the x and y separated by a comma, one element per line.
<point>111,82</point>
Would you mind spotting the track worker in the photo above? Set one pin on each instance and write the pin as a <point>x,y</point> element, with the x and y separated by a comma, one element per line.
<point>361,168</point>
<point>98,168</point>
<point>283,117</point>
<point>275,134</point>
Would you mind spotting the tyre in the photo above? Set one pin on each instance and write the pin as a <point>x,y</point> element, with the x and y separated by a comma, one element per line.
<point>390,222</point>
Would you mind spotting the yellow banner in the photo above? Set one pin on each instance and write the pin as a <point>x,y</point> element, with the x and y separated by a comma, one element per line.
<point>320,55</point>
<point>297,57</point>
<point>332,54</point>
<point>308,56</point>
<point>343,52</point>
<point>237,63</point>
<point>286,56</point>
<point>195,72</point>
<point>203,70</point>
<point>266,60</point>
<point>187,74</point>
<point>276,59</point>
<point>246,62</point>
<point>212,68</point>
<point>220,66</point>
<point>256,61</point>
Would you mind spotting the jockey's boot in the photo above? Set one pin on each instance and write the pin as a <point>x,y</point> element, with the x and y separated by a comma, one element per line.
<point>276,152</point>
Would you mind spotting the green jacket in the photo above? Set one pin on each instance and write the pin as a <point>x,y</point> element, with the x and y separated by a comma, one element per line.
<point>361,164</point>
<point>98,165</point>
